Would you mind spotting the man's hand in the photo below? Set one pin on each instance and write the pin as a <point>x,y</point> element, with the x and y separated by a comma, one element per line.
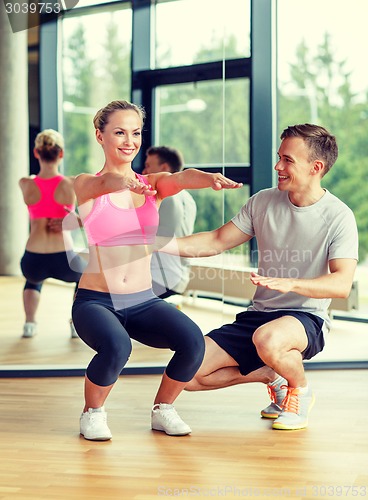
<point>282,285</point>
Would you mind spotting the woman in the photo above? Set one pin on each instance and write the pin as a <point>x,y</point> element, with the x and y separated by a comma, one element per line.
<point>115,301</point>
<point>49,196</point>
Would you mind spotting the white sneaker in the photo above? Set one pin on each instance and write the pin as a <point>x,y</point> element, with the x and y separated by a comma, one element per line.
<point>73,331</point>
<point>93,425</point>
<point>165,418</point>
<point>29,330</point>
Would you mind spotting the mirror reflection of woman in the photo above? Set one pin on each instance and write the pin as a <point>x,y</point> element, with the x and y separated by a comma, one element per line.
<point>115,302</point>
<point>49,197</point>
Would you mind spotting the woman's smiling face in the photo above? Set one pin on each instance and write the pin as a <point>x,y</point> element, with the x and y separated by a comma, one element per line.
<point>121,139</point>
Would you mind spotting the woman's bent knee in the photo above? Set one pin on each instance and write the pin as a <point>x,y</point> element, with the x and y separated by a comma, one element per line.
<point>186,361</point>
<point>106,366</point>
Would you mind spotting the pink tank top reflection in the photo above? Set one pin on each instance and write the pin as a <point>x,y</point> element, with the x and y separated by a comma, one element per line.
<point>47,207</point>
<point>108,225</point>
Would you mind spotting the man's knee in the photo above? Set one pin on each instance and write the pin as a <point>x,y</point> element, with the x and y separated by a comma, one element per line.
<point>265,341</point>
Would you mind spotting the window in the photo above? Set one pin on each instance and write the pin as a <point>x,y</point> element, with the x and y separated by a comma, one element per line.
<point>210,126</point>
<point>192,31</point>
<point>321,78</point>
<point>96,54</point>
<point>88,3</point>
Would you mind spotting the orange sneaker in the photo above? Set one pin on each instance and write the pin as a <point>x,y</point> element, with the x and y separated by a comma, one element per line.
<point>277,391</point>
<point>295,409</point>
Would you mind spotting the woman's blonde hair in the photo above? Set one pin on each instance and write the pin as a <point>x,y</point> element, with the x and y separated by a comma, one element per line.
<point>102,116</point>
<point>48,144</point>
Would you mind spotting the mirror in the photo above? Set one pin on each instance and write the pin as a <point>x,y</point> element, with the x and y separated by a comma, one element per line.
<point>205,127</point>
<point>205,102</point>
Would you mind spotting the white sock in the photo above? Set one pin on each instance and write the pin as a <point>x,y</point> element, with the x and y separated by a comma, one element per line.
<point>303,390</point>
<point>97,410</point>
<point>277,381</point>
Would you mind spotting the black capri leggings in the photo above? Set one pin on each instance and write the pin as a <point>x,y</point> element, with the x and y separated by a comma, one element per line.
<point>106,323</point>
<point>63,266</point>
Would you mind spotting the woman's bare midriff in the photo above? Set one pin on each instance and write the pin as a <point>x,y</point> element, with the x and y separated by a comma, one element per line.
<point>125,269</point>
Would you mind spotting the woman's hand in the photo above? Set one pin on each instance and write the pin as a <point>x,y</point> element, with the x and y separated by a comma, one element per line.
<point>222,182</point>
<point>191,178</point>
<point>138,187</point>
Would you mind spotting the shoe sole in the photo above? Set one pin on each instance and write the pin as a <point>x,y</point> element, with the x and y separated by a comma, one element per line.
<point>285,427</point>
<point>102,438</point>
<point>270,415</point>
<point>171,433</point>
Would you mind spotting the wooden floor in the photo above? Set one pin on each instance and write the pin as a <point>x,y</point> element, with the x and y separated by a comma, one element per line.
<point>232,452</point>
<point>53,347</point>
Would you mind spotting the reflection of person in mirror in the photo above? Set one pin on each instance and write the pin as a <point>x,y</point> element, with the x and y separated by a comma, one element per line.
<point>170,273</point>
<point>115,302</point>
<point>307,254</point>
<point>49,196</point>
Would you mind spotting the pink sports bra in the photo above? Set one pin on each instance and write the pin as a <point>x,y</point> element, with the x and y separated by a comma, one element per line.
<point>108,225</point>
<point>47,207</point>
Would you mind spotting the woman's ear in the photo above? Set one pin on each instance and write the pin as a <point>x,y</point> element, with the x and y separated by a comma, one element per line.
<point>98,135</point>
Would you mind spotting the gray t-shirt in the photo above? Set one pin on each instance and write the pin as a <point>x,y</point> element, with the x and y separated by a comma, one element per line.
<point>177,217</point>
<point>297,242</point>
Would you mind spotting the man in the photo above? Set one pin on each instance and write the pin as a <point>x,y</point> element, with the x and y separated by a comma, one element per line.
<point>308,250</point>
<point>177,217</point>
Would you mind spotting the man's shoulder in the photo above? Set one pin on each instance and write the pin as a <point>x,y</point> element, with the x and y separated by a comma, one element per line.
<point>183,198</point>
<point>187,198</point>
<point>335,204</point>
<point>171,206</point>
<point>184,195</point>
<point>272,191</point>
<point>268,195</point>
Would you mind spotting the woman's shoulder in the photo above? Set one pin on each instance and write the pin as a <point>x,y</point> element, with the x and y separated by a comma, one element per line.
<point>68,178</point>
<point>67,182</point>
<point>153,179</point>
<point>80,179</point>
<point>27,184</point>
<point>87,186</point>
<point>30,190</point>
<point>66,185</point>
<point>27,179</point>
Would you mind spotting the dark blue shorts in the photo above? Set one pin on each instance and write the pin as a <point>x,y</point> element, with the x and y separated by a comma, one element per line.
<point>237,338</point>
